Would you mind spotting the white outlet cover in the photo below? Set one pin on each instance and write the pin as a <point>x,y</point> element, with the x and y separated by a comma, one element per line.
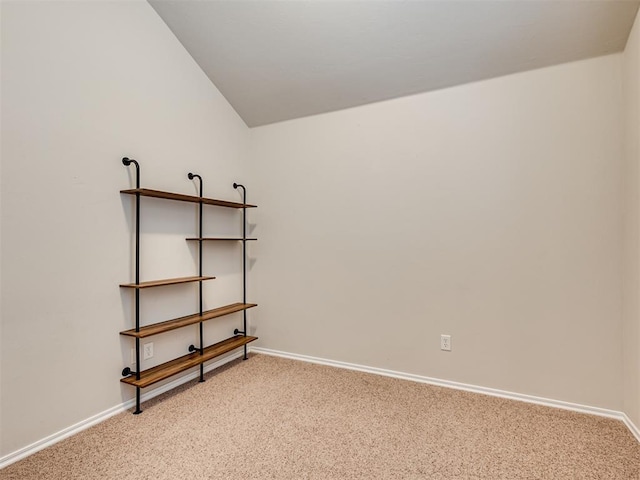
<point>445,343</point>
<point>147,351</point>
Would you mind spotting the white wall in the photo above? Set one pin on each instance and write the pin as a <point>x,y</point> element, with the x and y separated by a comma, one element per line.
<point>490,212</point>
<point>84,84</point>
<point>631,237</point>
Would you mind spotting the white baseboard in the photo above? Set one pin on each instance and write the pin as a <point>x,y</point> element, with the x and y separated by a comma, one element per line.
<point>575,407</point>
<point>631,426</point>
<point>102,416</point>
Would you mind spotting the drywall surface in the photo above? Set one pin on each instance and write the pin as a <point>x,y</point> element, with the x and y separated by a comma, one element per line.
<point>489,212</point>
<point>631,237</point>
<point>84,84</point>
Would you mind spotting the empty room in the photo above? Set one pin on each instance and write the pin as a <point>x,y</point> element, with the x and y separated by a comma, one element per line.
<point>321,239</point>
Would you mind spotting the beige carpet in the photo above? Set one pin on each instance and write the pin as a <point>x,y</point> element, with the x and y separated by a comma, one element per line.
<point>274,418</point>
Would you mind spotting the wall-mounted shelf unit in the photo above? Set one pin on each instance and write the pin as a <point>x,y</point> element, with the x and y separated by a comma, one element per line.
<point>198,355</point>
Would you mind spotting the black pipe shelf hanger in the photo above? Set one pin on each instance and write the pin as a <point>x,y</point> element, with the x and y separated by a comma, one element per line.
<point>198,355</point>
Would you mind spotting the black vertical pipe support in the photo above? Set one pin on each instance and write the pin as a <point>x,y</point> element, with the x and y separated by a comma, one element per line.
<point>191,176</point>
<point>126,162</point>
<point>244,260</point>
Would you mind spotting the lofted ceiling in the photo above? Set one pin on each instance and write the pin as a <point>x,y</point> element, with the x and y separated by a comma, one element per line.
<point>276,60</point>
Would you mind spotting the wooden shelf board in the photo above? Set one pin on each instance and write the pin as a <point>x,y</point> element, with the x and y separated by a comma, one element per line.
<point>168,369</point>
<point>167,281</point>
<point>206,239</point>
<point>169,325</point>
<point>147,192</point>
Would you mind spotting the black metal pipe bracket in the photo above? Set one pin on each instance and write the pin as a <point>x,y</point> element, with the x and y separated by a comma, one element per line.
<point>191,176</point>
<point>127,371</point>
<point>128,161</point>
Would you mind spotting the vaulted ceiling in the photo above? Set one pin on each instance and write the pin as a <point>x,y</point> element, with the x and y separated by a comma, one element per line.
<point>277,60</point>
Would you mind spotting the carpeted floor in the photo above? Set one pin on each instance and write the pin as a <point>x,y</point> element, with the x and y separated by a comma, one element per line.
<point>272,418</point>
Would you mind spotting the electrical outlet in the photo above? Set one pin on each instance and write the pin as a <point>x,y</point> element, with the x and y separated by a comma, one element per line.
<point>147,351</point>
<point>133,357</point>
<point>445,343</point>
